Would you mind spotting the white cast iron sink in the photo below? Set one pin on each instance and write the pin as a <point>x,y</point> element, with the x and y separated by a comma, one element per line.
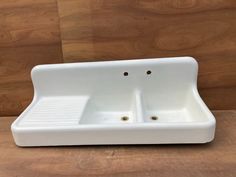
<point>151,101</point>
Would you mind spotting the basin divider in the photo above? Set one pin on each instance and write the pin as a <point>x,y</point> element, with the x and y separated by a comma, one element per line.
<point>139,108</point>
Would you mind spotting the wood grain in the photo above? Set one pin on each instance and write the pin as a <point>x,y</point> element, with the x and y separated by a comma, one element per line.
<point>109,30</point>
<point>119,29</point>
<point>29,35</point>
<point>216,159</point>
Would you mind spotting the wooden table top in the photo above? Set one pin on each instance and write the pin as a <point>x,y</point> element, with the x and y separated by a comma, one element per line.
<point>213,159</point>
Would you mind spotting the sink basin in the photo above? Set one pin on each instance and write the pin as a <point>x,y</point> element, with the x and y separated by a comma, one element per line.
<point>149,101</point>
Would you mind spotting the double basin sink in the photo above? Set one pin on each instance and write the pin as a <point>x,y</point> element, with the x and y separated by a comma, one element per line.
<point>149,101</point>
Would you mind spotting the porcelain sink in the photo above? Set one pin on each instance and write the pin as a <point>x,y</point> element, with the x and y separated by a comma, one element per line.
<point>149,101</point>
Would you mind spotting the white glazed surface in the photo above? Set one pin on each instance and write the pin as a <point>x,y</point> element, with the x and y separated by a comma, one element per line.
<point>85,103</point>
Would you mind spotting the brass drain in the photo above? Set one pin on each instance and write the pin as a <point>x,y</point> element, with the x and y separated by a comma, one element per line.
<point>124,118</point>
<point>154,117</point>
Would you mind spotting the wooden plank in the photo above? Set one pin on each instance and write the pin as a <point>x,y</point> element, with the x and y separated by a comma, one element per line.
<point>219,98</point>
<point>216,159</point>
<point>119,29</point>
<point>29,35</point>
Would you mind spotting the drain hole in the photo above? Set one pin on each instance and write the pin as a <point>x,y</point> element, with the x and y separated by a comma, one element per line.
<point>126,73</point>
<point>154,117</point>
<point>149,72</point>
<point>124,118</point>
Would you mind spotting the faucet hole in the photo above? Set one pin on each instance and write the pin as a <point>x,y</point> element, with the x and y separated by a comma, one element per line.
<point>149,72</point>
<point>154,117</point>
<point>126,73</point>
<point>124,118</point>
